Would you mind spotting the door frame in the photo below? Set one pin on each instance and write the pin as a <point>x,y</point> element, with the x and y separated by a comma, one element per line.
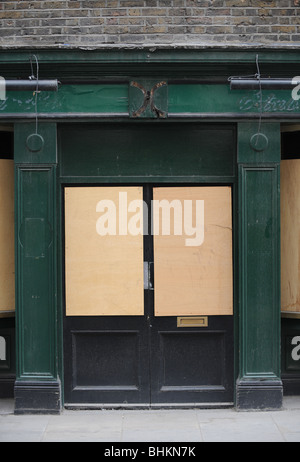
<point>63,181</point>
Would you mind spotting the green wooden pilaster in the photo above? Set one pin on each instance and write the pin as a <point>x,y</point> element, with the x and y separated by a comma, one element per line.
<point>259,384</point>
<point>37,387</point>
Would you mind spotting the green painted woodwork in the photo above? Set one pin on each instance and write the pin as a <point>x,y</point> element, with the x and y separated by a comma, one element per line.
<point>260,307</point>
<point>271,152</point>
<point>259,259</point>
<point>107,98</point>
<point>35,258</point>
<point>24,153</point>
<point>156,151</point>
<point>114,61</point>
<point>259,384</point>
<point>197,98</point>
<point>35,272</point>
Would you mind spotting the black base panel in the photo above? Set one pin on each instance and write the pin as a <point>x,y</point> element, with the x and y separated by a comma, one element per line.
<point>259,394</point>
<point>37,397</point>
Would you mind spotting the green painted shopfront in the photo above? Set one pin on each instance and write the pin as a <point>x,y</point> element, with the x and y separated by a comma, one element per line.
<point>149,227</point>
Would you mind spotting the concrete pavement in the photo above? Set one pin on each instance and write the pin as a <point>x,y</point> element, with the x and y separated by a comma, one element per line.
<point>152,426</point>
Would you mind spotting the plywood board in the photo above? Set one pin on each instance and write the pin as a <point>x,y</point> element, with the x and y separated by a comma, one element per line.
<point>7,254</point>
<point>290,235</point>
<point>195,279</point>
<point>104,273</point>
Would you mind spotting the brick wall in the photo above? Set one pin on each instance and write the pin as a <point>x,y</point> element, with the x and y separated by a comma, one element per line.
<point>95,23</point>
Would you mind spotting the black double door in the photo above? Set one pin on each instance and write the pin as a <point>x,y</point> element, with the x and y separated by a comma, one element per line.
<point>146,359</point>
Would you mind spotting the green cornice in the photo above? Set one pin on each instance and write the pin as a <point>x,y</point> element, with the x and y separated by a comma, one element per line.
<point>168,62</point>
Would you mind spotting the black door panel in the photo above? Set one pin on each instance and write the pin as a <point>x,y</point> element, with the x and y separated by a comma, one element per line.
<point>192,365</point>
<point>110,360</point>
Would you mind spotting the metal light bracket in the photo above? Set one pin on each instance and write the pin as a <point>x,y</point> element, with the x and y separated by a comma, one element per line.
<point>237,83</point>
<point>31,85</point>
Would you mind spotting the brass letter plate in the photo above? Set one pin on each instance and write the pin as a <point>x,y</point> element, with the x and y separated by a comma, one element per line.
<point>192,321</point>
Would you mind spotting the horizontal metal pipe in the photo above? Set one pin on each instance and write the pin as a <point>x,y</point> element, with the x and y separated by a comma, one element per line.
<point>264,84</point>
<point>31,85</point>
